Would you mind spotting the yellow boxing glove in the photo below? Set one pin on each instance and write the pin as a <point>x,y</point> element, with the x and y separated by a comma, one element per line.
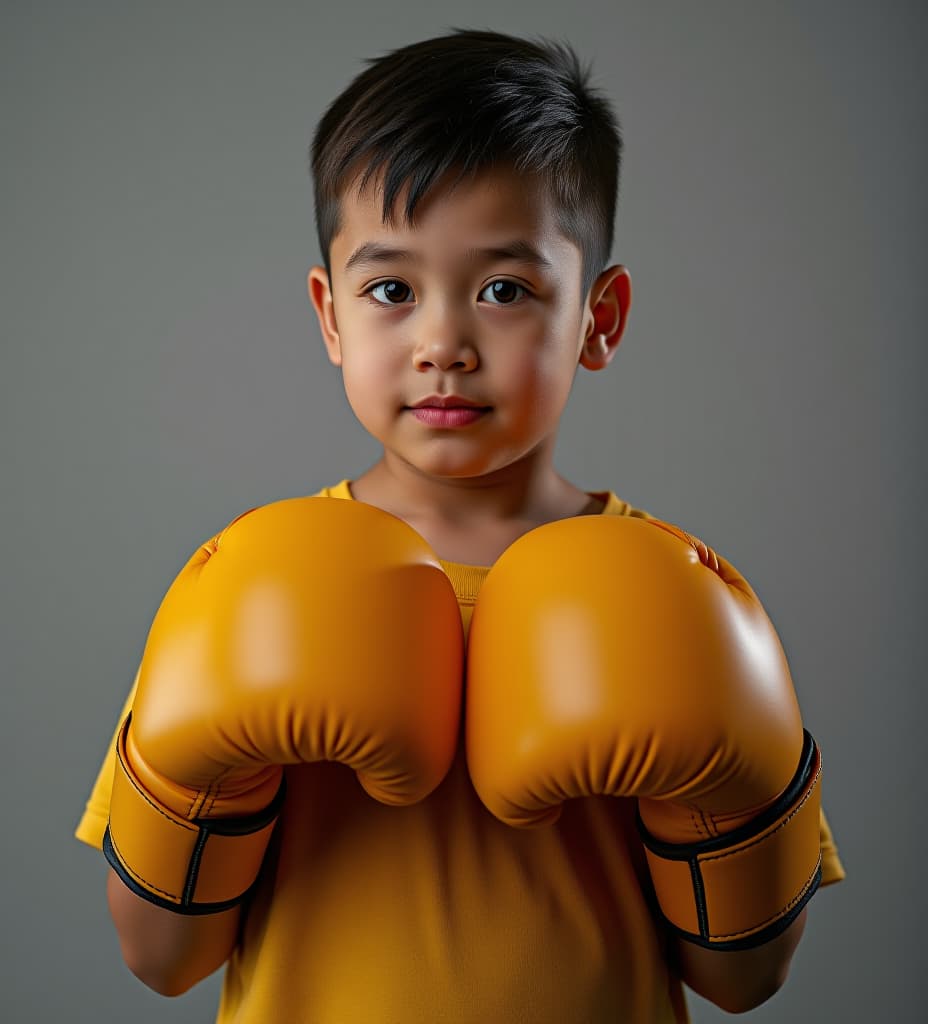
<point>310,629</point>
<point>620,656</point>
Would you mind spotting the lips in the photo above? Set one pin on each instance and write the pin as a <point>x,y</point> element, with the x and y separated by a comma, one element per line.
<point>445,411</point>
<point>447,402</point>
<point>453,416</point>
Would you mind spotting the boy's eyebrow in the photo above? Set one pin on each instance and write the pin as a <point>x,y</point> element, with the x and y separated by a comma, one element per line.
<point>371,253</point>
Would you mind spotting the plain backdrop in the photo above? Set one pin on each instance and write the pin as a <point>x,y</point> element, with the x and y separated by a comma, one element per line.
<point>162,371</point>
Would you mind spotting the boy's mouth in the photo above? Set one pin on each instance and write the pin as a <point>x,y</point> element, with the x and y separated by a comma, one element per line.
<point>447,411</point>
<point>446,402</point>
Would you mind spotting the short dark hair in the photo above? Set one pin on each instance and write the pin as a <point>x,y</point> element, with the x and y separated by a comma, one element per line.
<point>468,101</point>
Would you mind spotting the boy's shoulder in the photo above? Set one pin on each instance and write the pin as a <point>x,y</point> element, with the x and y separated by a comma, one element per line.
<point>613,505</point>
<point>340,490</point>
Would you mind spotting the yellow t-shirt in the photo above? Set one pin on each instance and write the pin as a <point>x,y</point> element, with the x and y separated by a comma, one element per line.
<point>368,914</point>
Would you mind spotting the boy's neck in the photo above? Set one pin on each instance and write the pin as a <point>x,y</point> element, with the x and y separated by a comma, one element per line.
<point>513,495</point>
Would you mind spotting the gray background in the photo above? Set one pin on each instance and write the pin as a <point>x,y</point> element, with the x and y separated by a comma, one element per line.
<point>162,371</point>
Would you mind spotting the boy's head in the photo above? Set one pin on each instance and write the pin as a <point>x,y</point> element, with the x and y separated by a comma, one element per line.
<point>489,290</point>
<point>467,102</point>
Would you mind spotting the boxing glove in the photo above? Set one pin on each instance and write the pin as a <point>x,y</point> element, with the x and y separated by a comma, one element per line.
<point>310,629</point>
<point>621,656</point>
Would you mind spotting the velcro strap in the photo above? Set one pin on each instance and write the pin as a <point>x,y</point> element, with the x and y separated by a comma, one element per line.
<point>191,867</point>
<point>744,888</point>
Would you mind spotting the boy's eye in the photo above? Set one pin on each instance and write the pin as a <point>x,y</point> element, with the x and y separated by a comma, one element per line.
<point>502,292</point>
<point>393,292</point>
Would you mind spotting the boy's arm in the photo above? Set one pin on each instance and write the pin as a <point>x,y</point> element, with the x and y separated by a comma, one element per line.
<point>169,952</point>
<point>741,978</point>
<point>738,980</point>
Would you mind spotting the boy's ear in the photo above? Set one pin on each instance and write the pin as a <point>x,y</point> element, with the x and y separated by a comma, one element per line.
<point>605,319</point>
<point>320,295</point>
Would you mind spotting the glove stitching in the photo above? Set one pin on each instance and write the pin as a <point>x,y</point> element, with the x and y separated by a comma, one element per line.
<point>698,822</point>
<point>209,798</point>
<point>707,824</point>
<point>211,794</point>
<point>705,858</point>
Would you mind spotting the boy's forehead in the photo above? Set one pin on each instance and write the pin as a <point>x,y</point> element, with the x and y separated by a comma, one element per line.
<point>498,209</point>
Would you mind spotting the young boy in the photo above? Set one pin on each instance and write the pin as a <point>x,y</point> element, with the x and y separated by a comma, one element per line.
<point>315,787</point>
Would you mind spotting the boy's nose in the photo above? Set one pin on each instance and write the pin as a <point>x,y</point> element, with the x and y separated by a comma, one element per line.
<point>445,350</point>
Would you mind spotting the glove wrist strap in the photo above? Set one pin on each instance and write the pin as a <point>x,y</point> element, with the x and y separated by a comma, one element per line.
<point>199,866</point>
<point>742,889</point>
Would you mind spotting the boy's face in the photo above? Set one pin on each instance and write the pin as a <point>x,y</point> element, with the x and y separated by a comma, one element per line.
<point>433,310</point>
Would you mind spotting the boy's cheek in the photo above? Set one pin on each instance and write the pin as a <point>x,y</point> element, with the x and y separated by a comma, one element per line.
<point>372,392</point>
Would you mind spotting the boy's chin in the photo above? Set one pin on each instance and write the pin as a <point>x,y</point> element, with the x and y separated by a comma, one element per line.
<point>450,469</point>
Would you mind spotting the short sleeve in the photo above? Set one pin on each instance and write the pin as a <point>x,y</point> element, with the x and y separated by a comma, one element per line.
<point>832,868</point>
<point>96,814</point>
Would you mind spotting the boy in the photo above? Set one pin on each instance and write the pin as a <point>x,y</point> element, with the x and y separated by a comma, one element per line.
<point>465,197</point>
